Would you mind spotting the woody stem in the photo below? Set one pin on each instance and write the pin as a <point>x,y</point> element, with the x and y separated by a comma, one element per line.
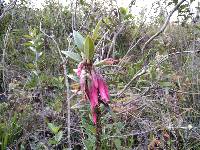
<point>98,129</point>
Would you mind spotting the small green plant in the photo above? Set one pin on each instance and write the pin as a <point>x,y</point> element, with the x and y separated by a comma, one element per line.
<point>9,131</point>
<point>58,135</point>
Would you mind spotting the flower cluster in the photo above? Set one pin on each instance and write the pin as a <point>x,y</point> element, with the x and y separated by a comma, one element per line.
<point>93,86</point>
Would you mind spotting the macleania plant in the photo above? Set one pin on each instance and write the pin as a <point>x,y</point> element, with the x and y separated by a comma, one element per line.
<point>92,84</point>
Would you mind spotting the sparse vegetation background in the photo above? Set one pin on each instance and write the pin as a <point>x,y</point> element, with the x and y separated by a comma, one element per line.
<point>149,64</point>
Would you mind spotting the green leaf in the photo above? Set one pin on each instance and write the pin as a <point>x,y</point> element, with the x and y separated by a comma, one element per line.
<point>96,30</point>
<point>27,36</point>
<point>72,55</point>
<point>79,40</point>
<point>54,129</point>
<point>59,136</point>
<point>197,27</point>
<point>117,144</point>
<point>52,141</point>
<point>166,84</point>
<point>27,44</point>
<point>82,2</point>
<point>89,48</point>
<point>107,21</point>
<point>175,2</point>
<point>123,10</point>
<point>128,16</point>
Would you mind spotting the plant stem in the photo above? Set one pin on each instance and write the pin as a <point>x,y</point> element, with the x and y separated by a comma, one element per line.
<point>66,81</point>
<point>98,129</point>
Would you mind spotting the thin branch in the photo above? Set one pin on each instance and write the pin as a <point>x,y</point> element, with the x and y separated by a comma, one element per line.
<point>75,14</point>
<point>3,62</point>
<point>72,15</point>
<point>7,8</point>
<point>130,49</point>
<point>67,90</point>
<point>144,70</point>
<point>166,57</point>
<point>164,25</point>
<point>138,41</point>
<point>131,134</point>
<point>100,41</point>
<point>112,46</point>
<point>138,75</point>
<point>148,131</point>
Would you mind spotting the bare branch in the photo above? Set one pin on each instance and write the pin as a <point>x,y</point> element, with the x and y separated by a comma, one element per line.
<point>100,41</point>
<point>164,25</point>
<point>137,75</point>
<point>7,8</point>
<point>112,46</point>
<point>130,49</point>
<point>143,71</point>
<point>66,81</point>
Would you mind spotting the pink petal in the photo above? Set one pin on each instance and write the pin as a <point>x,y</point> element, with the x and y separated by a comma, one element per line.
<point>84,84</point>
<point>103,89</point>
<point>93,95</point>
<point>94,78</point>
<point>82,80</point>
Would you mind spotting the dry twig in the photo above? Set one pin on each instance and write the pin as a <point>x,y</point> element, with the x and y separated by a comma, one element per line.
<point>145,68</point>
<point>7,8</point>
<point>163,27</point>
<point>112,46</point>
<point>67,90</point>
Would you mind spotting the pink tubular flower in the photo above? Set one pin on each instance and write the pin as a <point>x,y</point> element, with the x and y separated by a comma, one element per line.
<point>82,81</point>
<point>93,96</point>
<point>103,89</point>
<point>93,86</point>
<point>94,78</point>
